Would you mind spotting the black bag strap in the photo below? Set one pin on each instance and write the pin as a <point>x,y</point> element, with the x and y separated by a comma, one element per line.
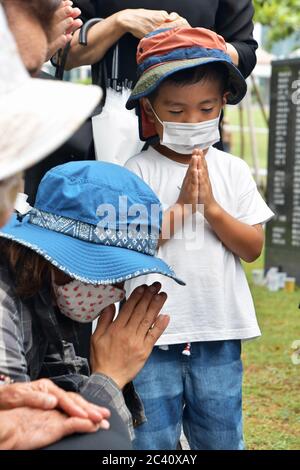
<point>83,40</point>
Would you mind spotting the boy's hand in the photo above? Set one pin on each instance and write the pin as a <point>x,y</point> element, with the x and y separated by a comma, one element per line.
<point>205,192</point>
<point>189,194</point>
<point>176,21</point>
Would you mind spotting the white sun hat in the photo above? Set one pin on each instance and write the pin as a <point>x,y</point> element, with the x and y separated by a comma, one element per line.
<point>36,116</point>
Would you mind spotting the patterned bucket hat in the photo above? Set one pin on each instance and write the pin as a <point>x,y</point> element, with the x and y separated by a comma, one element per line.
<point>97,222</point>
<point>164,52</point>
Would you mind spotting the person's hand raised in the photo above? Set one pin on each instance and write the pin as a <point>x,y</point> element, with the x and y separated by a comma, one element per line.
<point>120,347</point>
<point>29,429</point>
<point>205,192</point>
<point>189,193</point>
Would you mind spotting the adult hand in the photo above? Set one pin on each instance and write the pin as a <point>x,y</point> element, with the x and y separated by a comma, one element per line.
<point>120,348</point>
<point>28,429</point>
<point>64,23</point>
<point>140,22</point>
<point>45,395</point>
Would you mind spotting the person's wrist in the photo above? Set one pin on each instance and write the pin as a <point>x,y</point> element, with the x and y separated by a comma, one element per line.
<point>212,211</point>
<point>233,53</point>
<point>120,19</point>
<point>118,381</point>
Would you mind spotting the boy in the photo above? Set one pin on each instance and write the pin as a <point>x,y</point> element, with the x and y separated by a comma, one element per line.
<point>194,377</point>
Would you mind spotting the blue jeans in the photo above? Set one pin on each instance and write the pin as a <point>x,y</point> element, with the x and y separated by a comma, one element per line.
<point>201,392</point>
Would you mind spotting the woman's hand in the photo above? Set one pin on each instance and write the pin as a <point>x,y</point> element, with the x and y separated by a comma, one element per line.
<point>120,348</point>
<point>140,22</point>
<point>28,429</point>
<point>64,23</point>
<point>106,33</point>
<point>176,21</point>
<point>45,395</point>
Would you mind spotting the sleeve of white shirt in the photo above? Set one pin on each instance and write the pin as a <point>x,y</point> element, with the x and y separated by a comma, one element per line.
<point>251,207</point>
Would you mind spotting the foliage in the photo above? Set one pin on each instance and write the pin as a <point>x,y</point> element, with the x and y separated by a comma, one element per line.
<point>282,16</point>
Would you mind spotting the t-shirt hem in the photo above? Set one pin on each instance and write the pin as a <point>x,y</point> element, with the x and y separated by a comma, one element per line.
<point>244,334</point>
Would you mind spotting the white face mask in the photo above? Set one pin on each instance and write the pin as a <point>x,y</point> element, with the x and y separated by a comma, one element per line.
<point>84,302</point>
<point>183,138</point>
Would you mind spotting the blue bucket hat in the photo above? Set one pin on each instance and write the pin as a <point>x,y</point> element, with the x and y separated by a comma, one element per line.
<point>97,222</point>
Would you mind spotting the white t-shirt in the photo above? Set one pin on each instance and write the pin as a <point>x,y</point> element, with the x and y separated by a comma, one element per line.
<point>216,303</point>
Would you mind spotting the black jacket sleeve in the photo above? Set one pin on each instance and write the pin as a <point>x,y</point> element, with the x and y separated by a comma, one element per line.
<point>234,21</point>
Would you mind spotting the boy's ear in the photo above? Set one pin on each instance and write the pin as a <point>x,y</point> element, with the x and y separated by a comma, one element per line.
<point>225,98</point>
<point>148,110</point>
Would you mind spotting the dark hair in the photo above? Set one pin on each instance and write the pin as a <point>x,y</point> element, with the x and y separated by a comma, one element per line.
<point>217,72</point>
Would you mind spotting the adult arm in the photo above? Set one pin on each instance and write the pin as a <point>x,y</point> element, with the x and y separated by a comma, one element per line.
<point>119,349</point>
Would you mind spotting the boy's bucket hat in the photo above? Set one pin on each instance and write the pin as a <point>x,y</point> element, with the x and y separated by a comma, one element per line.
<point>97,222</point>
<point>36,116</point>
<point>164,52</point>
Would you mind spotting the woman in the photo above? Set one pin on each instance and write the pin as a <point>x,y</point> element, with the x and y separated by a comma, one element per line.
<point>230,18</point>
<point>60,268</point>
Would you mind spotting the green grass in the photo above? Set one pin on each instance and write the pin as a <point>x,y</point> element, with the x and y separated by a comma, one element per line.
<point>232,114</point>
<point>272,382</point>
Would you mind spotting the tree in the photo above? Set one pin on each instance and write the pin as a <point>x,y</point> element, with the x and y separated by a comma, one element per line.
<point>282,16</point>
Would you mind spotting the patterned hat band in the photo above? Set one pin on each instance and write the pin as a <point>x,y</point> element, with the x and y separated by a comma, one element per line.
<point>142,241</point>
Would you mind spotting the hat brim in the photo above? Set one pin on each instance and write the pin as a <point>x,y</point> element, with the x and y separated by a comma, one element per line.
<point>153,77</point>
<point>87,262</point>
<point>38,117</point>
